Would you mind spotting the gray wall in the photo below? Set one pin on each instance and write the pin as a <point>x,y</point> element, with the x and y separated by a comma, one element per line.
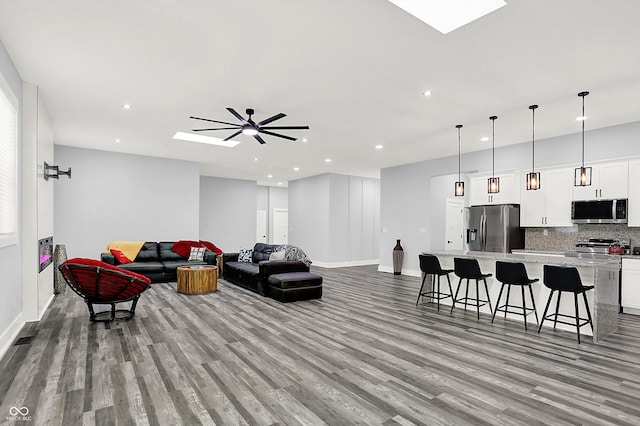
<point>10,259</point>
<point>228,212</point>
<point>334,218</point>
<point>407,202</point>
<point>114,196</point>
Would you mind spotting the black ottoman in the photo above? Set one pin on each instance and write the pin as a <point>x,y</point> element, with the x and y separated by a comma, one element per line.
<point>292,286</point>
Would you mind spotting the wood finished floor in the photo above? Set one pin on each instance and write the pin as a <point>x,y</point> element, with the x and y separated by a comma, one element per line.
<point>363,354</point>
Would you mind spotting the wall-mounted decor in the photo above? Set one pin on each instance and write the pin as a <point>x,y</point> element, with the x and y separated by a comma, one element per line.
<point>45,253</point>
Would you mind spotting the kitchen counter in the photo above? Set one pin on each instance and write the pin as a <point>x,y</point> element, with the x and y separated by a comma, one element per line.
<point>603,274</point>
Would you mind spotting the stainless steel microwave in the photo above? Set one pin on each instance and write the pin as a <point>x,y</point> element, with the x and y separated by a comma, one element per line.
<point>599,211</point>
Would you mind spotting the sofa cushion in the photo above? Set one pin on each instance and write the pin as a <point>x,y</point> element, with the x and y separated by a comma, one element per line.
<point>245,255</point>
<point>148,252</point>
<point>144,267</point>
<point>167,253</point>
<point>277,255</point>
<point>172,265</point>
<point>246,267</point>
<point>262,251</point>
<point>295,280</point>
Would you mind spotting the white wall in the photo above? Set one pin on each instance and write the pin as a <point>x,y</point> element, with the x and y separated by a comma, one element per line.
<point>278,199</point>
<point>113,196</point>
<point>334,218</point>
<point>10,257</point>
<point>408,205</point>
<point>228,212</point>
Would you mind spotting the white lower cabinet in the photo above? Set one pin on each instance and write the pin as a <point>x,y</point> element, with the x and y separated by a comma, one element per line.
<point>631,286</point>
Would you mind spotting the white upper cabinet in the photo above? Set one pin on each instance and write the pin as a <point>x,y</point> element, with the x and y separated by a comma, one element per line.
<point>551,204</point>
<point>509,189</point>
<point>608,181</point>
<point>634,193</point>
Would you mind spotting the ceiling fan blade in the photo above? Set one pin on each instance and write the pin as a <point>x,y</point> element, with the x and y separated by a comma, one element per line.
<point>276,134</point>
<point>236,115</point>
<point>286,127</point>
<point>218,128</point>
<point>259,139</point>
<point>232,136</point>
<point>214,121</point>
<point>278,116</point>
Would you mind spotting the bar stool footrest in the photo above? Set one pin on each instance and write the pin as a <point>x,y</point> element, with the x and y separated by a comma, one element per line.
<point>462,301</point>
<point>553,317</point>
<point>518,312</point>
<point>432,295</point>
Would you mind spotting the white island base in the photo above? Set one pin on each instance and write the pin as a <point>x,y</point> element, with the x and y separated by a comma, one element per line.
<point>603,274</point>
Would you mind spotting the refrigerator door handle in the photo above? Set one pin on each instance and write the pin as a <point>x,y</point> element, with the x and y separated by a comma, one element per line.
<point>483,232</point>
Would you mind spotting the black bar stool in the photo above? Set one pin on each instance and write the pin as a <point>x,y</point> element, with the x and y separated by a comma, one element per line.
<point>512,273</point>
<point>430,265</point>
<point>566,278</point>
<point>470,270</point>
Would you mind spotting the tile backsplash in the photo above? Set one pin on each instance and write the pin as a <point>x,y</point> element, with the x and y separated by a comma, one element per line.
<point>565,239</point>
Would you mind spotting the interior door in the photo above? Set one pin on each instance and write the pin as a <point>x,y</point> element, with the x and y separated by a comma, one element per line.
<point>454,224</point>
<point>280,226</point>
<point>261,226</point>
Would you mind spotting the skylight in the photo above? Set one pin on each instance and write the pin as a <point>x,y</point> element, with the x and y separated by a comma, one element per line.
<point>448,15</point>
<point>204,139</point>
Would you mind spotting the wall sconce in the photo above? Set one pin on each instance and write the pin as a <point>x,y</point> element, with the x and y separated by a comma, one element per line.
<point>52,172</point>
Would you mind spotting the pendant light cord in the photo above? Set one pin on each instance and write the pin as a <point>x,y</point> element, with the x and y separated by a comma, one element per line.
<point>533,140</point>
<point>583,120</point>
<point>493,145</point>
<point>459,126</point>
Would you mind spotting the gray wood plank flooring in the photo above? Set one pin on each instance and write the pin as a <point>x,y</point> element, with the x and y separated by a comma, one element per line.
<point>363,354</point>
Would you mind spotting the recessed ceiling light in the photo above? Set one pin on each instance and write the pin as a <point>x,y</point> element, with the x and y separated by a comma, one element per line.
<point>269,176</point>
<point>204,139</point>
<point>379,146</point>
<point>327,160</point>
<point>427,93</point>
<point>581,118</point>
<point>279,183</point>
<point>117,140</point>
<point>305,140</point>
<point>126,106</point>
<point>296,169</point>
<point>484,138</point>
<point>255,159</point>
<point>446,16</point>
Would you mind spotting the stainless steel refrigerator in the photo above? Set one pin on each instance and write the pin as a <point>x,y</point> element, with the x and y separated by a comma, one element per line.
<point>494,228</point>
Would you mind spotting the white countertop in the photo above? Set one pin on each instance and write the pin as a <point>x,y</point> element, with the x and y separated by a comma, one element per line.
<point>533,256</point>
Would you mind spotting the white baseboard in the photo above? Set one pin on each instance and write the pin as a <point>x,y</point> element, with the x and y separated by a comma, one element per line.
<point>10,334</point>
<point>46,306</point>
<point>346,264</point>
<point>631,311</point>
<point>408,272</point>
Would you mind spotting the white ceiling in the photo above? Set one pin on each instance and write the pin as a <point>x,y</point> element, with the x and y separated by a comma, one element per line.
<point>354,71</point>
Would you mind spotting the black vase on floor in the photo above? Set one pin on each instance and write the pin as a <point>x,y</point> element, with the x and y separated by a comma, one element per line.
<point>398,257</point>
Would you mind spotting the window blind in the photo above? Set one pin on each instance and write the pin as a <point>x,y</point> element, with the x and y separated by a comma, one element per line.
<point>8,168</point>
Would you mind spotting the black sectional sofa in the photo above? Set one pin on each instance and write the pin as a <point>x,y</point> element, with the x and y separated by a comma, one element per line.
<point>254,275</point>
<point>158,262</point>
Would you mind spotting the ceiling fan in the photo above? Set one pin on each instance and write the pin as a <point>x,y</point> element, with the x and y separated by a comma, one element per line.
<point>250,127</point>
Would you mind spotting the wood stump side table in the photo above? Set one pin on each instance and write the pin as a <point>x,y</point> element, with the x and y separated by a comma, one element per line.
<point>197,279</point>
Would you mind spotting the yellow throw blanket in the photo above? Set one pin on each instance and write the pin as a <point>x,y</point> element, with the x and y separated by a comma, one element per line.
<point>128,248</point>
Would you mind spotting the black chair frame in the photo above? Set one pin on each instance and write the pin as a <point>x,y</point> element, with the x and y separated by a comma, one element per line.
<point>578,322</point>
<point>523,281</point>
<point>477,276</point>
<point>429,265</point>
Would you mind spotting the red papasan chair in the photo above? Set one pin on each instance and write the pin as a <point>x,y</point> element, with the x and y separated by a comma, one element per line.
<point>99,283</point>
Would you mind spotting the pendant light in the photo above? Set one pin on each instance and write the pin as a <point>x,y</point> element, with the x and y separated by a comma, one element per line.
<point>582,174</point>
<point>494,182</point>
<point>459,188</point>
<point>533,178</point>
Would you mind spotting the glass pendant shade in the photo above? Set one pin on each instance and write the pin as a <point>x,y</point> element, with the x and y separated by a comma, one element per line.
<point>582,174</point>
<point>533,180</point>
<point>459,188</point>
<point>494,185</point>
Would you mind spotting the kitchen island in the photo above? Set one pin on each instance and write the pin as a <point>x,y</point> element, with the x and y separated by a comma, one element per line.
<point>603,274</point>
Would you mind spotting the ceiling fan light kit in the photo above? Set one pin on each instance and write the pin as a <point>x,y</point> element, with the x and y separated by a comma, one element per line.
<point>249,127</point>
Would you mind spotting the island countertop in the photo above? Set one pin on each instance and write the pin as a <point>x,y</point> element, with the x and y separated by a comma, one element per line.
<point>602,273</point>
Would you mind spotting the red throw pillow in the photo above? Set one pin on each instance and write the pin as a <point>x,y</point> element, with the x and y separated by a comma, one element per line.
<point>120,257</point>
<point>211,247</point>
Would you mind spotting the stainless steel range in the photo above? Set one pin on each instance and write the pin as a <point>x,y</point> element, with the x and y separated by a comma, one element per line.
<point>600,248</point>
